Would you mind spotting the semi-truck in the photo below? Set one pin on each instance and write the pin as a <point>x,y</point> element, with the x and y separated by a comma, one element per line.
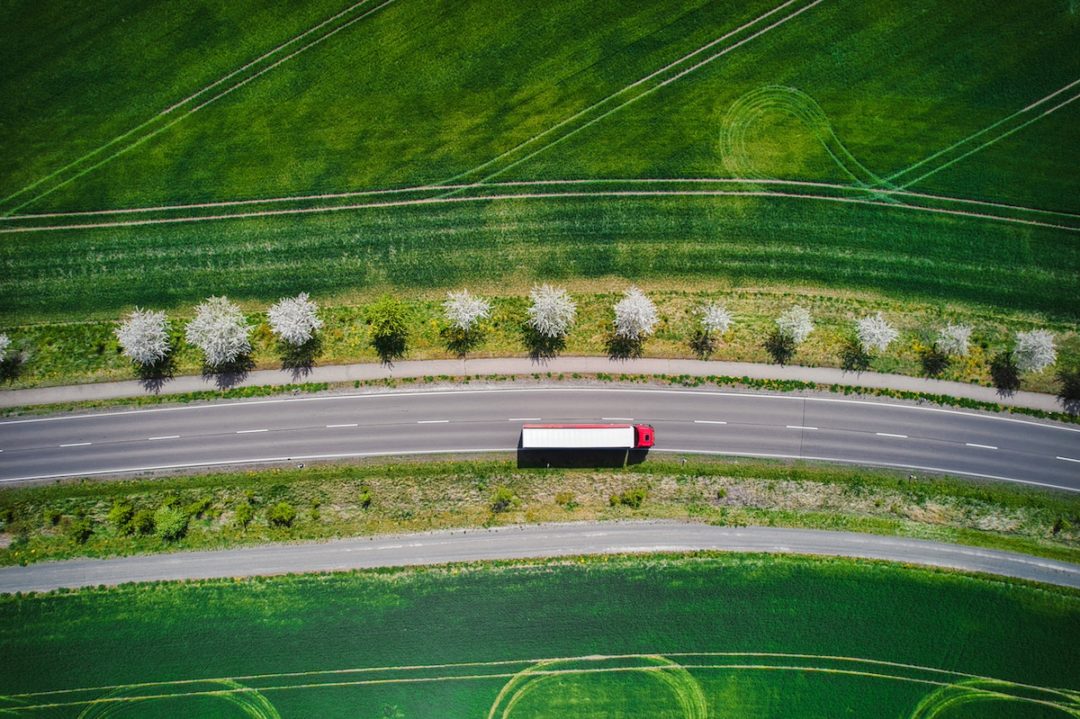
<point>587,436</point>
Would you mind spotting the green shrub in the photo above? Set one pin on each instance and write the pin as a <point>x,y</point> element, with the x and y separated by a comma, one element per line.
<point>388,318</point>
<point>364,497</point>
<point>243,515</point>
<point>281,514</point>
<point>567,501</point>
<point>79,530</point>
<point>120,516</point>
<point>503,499</point>
<point>142,523</point>
<point>170,523</point>
<point>52,517</point>
<point>198,508</point>
<point>632,498</point>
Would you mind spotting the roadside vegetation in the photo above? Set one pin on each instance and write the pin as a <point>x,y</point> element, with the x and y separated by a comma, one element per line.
<point>856,332</point>
<point>96,518</point>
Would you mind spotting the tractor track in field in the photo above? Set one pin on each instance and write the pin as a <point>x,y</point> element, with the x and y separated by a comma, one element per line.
<point>169,110</point>
<point>602,194</point>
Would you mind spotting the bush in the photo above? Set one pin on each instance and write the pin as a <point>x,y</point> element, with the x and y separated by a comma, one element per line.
<point>198,508</point>
<point>1004,372</point>
<point>143,522</point>
<point>80,530</point>
<point>243,515</point>
<point>503,499</point>
<point>364,497</point>
<point>52,517</point>
<point>120,516</point>
<point>389,321</point>
<point>170,523</point>
<point>566,500</point>
<point>281,514</point>
<point>632,498</point>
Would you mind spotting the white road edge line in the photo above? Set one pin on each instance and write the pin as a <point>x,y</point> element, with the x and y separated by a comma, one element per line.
<point>1063,459</point>
<point>164,436</point>
<point>623,390</point>
<point>889,434</point>
<point>708,421</point>
<point>432,421</point>
<point>335,426</point>
<point>799,426</point>
<point>980,446</point>
<point>76,444</point>
<point>250,431</point>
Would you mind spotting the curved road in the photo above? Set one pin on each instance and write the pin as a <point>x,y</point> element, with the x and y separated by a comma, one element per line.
<point>552,540</point>
<point>485,420</point>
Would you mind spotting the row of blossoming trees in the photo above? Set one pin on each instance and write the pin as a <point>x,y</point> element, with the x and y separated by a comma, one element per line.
<point>220,330</point>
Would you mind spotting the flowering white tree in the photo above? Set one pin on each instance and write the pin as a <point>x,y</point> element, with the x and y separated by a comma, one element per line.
<point>1034,350</point>
<point>464,310</point>
<point>635,315</point>
<point>875,333</point>
<point>953,340</point>
<point>144,336</point>
<point>552,311</point>
<point>715,319</point>
<point>5,342</point>
<point>796,324</point>
<point>295,319</point>
<point>220,331</point>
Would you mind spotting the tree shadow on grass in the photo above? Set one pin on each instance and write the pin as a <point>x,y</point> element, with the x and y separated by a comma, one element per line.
<point>299,360</point>
<point>460,341</point>
<point>853,358</point>
<point>703,344</point>
<point>154,376</point>
<point>12,366</point>
<point>390,348</point>
<point>624,348</point>
<point>229,375</point>
<point>541,347</point>
<point>781,347</point>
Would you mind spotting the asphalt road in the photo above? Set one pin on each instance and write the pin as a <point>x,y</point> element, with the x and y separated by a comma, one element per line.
<point>480,420</point>
<point>551,540</point>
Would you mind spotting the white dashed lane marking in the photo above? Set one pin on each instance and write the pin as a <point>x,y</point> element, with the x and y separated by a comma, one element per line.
<point>335,426</point>
<point>164,436</point>
<point>708,421</point>
<point>1069,459</point>
<point>980,446</point>
<point>889,434</point>
<point>523,419</point>
<point>250,431</point>
<point>432,421</point>
<point>799,426</point>
<point>76,444</point>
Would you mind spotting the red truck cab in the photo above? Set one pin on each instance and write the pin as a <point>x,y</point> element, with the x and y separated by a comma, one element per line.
<point>644,436</point>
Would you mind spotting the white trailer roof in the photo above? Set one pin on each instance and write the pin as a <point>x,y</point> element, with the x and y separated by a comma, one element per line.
<point>596,437</point>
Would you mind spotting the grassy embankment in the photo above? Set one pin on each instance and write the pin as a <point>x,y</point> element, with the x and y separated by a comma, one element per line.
<point>669,637</point>
<point>88,351</point>
<point>227,509</point>
<point>853,94</point>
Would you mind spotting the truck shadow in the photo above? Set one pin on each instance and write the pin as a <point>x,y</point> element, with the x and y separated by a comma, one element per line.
<point>579,458</point>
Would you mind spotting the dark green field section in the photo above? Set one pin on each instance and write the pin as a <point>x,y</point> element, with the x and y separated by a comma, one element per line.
<point>729,636</point>
<point>150,105</point>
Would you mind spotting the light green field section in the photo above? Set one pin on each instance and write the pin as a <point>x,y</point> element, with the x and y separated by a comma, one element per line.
<point>686,638</point>
<point>870,102</point>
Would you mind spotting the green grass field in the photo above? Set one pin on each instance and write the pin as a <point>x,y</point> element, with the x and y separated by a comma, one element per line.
<point>939,139</point>
<point>721,636</point>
